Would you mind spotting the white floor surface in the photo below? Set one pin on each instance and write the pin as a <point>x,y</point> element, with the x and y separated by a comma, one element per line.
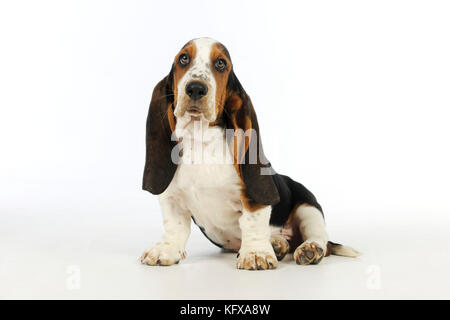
<point>81,248</point>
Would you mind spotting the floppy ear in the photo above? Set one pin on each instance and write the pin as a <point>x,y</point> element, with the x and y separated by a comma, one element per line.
<point>159,167</point>
<point>246,147</point>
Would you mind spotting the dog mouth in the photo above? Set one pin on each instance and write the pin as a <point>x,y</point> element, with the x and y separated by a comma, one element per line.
<point>194,110</point>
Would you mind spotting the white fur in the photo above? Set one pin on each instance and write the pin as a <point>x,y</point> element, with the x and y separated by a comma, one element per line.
<point>256,240</point>
<point>345,251</point>
<point>206,182</point>
<point>206,186</point>
<point>312,225</point>
<point>199,69</point>
<point>177,225</point>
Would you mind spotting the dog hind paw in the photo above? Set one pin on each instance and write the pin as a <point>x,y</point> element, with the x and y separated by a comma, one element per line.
<point>309,253</point>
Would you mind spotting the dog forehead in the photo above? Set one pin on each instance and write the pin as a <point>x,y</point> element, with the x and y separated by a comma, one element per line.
<point>203,51</point>
<point>203,47</point>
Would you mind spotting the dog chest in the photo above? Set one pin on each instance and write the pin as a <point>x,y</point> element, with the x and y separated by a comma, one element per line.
<point>209,187</point>
<point>211,193</point>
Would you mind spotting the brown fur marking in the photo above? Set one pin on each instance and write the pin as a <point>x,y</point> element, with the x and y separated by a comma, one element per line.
<point>179,71</point>
<point>249,204</point>
<point>221,78</point>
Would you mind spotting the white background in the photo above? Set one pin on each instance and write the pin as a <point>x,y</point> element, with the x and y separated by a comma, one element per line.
<point>353,101</point>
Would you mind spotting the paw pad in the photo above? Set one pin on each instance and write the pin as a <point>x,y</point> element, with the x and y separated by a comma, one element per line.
<point>280,246</point>
<point>308,253</point>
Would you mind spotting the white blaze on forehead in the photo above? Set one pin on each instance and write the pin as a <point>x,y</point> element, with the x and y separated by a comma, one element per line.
<point>202,62</point>
<point>201,70</point>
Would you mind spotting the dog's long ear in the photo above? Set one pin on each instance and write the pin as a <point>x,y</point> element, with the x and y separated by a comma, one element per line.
<point>245,142</point>
<point>159,167</point>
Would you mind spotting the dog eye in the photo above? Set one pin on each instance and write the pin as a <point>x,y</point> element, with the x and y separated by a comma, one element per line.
<point>220,65</point>
<point>184,59</point>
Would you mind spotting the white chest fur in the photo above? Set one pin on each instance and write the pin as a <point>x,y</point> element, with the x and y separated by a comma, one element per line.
<point>206,183</point>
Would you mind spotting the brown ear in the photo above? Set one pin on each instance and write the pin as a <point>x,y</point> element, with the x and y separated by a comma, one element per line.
<point>159,167</point>
<point>254,169</point>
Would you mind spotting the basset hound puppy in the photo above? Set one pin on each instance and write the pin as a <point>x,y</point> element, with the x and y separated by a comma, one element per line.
<point>204,160</point>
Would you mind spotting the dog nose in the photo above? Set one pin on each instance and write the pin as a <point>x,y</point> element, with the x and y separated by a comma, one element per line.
<point>196,90</point>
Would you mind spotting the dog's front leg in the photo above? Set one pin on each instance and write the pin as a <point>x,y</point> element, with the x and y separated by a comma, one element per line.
<point>256,252</point>
<point>177,226</point>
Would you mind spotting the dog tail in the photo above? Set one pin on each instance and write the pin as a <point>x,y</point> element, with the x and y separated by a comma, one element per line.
<point>341,250</point>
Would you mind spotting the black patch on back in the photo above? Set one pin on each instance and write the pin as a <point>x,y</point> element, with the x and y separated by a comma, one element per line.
<point>291,194</point>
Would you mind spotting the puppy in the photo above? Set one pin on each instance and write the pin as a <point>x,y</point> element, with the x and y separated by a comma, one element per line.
<point>205,161</point>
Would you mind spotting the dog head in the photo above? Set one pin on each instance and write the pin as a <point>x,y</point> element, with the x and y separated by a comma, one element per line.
<point>200,74</point>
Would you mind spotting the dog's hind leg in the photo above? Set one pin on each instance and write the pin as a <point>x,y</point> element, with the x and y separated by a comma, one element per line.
<point>311,225</point>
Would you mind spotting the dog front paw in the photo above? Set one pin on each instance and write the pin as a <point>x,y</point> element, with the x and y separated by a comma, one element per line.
<point>256,260</point>
<point>163,254</point>
<point>280,246</point>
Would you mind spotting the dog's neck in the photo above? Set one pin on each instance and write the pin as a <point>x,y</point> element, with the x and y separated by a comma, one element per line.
<point>201,142</point>
<point>197,129</point>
